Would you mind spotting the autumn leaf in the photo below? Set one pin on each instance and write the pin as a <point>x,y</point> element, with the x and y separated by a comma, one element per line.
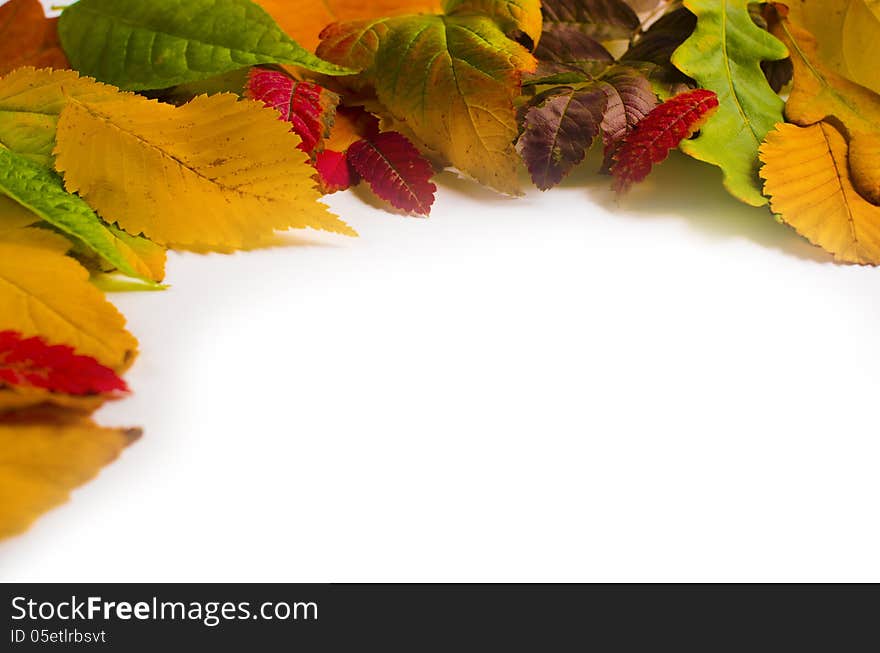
<point>304,20</point>
<point>45,293</point>
<point>808,180</point>
<point>28,38</point>
<point>334,172</point>
<point>451,80</point>
<point>395,171</point>
<point>558,129</point>
<point>41,463</point>
<point>41,191</point>
<point>146,257</point>
<point>600,20</point>
<point>516,18</point>
<point>661,131</point>
<point>138,45</point>
<point>30,103</point>
<point>13,216</point>
<point>232,171</point>
<point>821,94</point>
<point>724,55</point>
<point>660,41</point>
<point>308,107</point>
<point>561,123</point>
<point>846,36</point>
<point>31,363</point>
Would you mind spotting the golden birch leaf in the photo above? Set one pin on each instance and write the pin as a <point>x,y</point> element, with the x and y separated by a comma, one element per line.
<point>808,180</point>
<point>819,93</point>
<point>40,464</point>
<point>31,101</point>
<point>218,172</point>
<point>45,293</point>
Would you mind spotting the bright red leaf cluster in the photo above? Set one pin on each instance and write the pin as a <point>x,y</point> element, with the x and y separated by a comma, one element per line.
<point>32,363</point>
<point>659,132</point>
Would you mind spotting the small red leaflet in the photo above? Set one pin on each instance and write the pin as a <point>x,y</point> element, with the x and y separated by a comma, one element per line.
<point>659,132</point>
<point>309,108</point>
<point>31,363</point>
<point>334,173</point>
<point>395,170</point>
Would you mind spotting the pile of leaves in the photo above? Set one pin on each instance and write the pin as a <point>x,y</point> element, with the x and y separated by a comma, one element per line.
<point>128,128</point>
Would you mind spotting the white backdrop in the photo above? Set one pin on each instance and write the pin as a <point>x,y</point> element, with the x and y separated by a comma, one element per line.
<point>556,388</point>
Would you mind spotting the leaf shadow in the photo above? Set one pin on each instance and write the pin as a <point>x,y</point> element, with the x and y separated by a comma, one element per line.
<point>278,240</point>
<point>682,188</point>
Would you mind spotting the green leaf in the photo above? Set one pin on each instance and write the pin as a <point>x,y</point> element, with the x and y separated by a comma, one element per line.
<point>139,45</point>
<point>41,191</point>
<point>724,55</point>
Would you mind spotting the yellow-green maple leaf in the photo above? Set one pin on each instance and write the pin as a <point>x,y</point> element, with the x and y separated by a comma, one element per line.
<point>218,172</point>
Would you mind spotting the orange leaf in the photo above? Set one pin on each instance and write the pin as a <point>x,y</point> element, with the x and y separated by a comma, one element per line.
<point>303,20</point>
<point>808,179</point>
<point>28,38</point>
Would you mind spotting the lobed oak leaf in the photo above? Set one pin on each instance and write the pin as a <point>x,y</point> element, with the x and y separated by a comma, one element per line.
<point>28,38</point>
<point>232,171</point>
<point>308,107</point>
<point>451,79</point>
<point>42,462</point>
<point>661,131</point>
<point>33,364</point>
<point>395,171</point>
<point>724,55</point>
<point>807,176</point>
<point>821,94</point>
<point>45,293</point>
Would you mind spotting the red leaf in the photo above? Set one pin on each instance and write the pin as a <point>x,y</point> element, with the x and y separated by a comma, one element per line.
<point>659,132</point>
<point>31,363</point>
<point>334,173</point>
<point>309,108</point>
<point>395,170</point>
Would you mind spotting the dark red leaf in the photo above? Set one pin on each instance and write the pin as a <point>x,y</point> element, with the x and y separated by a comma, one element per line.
<point>396,171</point>
<point>334,172</point>
<point>31,363</point>
<point>661,131</point>
<point>309,108</point>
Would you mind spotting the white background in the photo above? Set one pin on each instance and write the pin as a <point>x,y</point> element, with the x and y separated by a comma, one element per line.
<point>556,388</point>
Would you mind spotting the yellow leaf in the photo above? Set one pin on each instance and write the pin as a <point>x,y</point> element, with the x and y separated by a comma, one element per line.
<point>303,20</point>
<point>19,399</point>
<point>218,172</point>
<point>14,216</point>
<point>31,101</point>
<point>146,257</point>
<point>41,463</point>
<point>807,178</point>
<point>819,94</point>
<point>45,293</point>
<point>846,31</point>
